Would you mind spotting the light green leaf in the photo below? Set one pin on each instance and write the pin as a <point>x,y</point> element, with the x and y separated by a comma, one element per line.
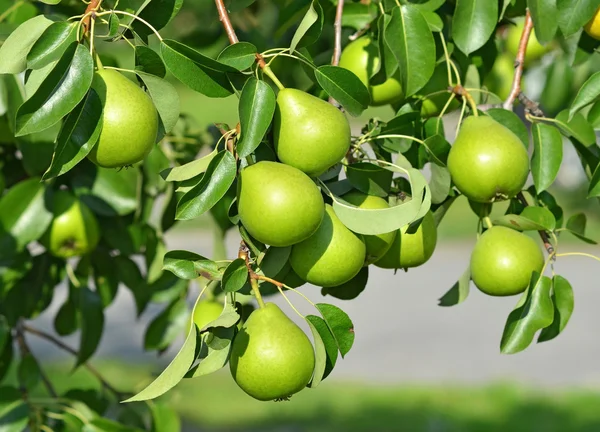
<point>459,291</point>
<point>14,50</point>
<point>165,98</point>
<point>547,155</point>
<point>532,218</point>
<point>189,170</point>
<point>564,301</point>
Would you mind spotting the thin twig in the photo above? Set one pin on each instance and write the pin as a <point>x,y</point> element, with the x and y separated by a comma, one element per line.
<point>543,234</point>
<point>25,351</point>
<point>224,18</point>
<point>531,106</point>
<point>70,350</point>
<point>337,46</point>
<point>519,62</point>
<point>92,7</point>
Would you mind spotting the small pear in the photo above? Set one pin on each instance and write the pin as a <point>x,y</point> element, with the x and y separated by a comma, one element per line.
<point>310,134</point>
<point>411,250</point>
<point>271,357</point>
<point>205,312</point>
<point>488,162</point>
<point>278,204</point>
<point>435,94</point>
<point>331,256</point>
<point>130,121</point>
<point>377,245</point>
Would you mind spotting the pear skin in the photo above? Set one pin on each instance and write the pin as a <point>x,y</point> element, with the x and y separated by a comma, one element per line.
<point>310,134</point>
<point>271,357</point>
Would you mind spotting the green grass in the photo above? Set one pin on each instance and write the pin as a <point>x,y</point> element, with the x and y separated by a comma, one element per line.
<point>215,403</point>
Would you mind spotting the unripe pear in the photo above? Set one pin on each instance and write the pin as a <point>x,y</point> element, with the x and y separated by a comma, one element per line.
<point>130,121</point>
<point>535,50</point>
<point>436,95</point>
<point>309,133</point>
<point>411,250</point>
<point>361,57</point>
<point>278,204</point>
<point>488,162</point>
<point>503,260</point>
<point>74,231</point>
<point>331,256</point>
<point>205,312</point>
<point>377,245</point>
<point>593,26</point>
<point>271,357</point>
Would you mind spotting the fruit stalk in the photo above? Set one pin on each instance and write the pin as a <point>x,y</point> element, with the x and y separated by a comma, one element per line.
<point>519,62</point>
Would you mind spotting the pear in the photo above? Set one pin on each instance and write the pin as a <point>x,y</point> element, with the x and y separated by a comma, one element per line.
<point>331,256</point>
<point>435,95</point>
<point>310,134</point>
<point>488,162</point>
<point>377,245</point>
<point>411,250</point>
<point>205,312</point>
<point>271,357</point>
<point>130,121</point>
<point>278,204</point>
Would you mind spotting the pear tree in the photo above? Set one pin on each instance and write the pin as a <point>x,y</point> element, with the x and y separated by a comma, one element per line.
<point>99,163</point>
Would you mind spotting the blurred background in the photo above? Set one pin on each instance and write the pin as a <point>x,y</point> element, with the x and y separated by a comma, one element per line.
<point>415,366</point>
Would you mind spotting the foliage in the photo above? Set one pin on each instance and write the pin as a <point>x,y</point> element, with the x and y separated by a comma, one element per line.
<point>53,113</point>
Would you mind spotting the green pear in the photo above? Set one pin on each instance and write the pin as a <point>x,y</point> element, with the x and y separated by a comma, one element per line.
<point>130,121</point>
<point>271,357</point>
<point>361,57</point>
<point>503,260</point>
<point>74,230</point>
<point>377,245</point>
<point>435,94</point>
<point>535,50</point>
<point>278,204</point>
<point>488,162</point>
<point>205,312</point>
<point>411,250</point>
<point>331,256</point>
<point>309,133</point>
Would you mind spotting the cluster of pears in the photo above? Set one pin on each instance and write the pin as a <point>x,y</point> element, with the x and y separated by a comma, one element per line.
<point>129,121</point>
<point>489,163</point>
<point>361,57</point>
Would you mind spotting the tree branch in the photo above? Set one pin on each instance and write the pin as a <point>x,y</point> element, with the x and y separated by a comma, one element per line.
<point>519,62</point>
<point>70,350</point>
<point>543,234</point>
<point>337,45</point>
<point>24,348</point>
<point>92,7</point>
<point>224,18</point>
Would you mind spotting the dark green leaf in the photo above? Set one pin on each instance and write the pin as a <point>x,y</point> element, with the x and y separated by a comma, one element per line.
<point>547,155</point>
<point>545,18</point>
<point>158,13</point>
<point>52,44</point>
<point>326,350</point>
<point>214,184</point>
<point>588,94</point>
<point>28,373</point>
<point>216,352</point>
<point>473,23</point>
<point>147,60</point>
<point>165,98</point>
<point>577,127</point>
<point>574,14</point>
<point>310,27</point>
<point>235,276</point>
<point>345,87</point>
<point>351,289</point>
<point>92,324</point>
<point>240,55</point>
<point>181,263</point>
<point>60,92</point>
<point>512,122</point>
<point>340,325</point>
<point>4,333</point>
<point>167,326</point>
<point>113,26</point>
<point>14,411</point>
<point>370,178</point>
<point>459,291</point>
<point>534,312</point>
<point>78,135</point>
<point>594,188</point>
<point>564,301</point>
<point>256,109</point>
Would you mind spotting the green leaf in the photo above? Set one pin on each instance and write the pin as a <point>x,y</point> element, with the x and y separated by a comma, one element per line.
<point>92,324</point>
<point>594,188</point>
<point>534,312</point>
<point>345,87</point>
<point>79,133</point>
<point>105,425</point>
<point>578,128</point>
<point>214,353</point>
<point>326,350</point>
<point>310,27</point>
<point>164,418</point>
<point>14,50</point>
<point>147,60</point>
<point>23,216</point>
<point>564,302</point>
<point>587,94</point>
<point>547,155</point>
<point>52,44</point>
<point>28,372</point>
<point>214,184</point>
<point>157,13</point>
<point>114,27</point>
<point>532,218</point>
<point>167,326</point>
<point>358,15</point>
<point>380,221</point>
<point>240,55</point>
<point>370,178</point>
<point>351,289</point>
<point>339,324</point>
<point>473,23</point>
<point>545,18</point>
<point>439,184</point>
<point>274,260</point>
<point>576,226</point>
<point>181,263</point>
<point>195,70</point>
<point>165,98</point>
<point>256,109</point>
<point>66,321</point>
<point>189,170</point>
<point>459,291</point>
<point>411,41</point>
<point>512,121</point>
<point>435,22</point>
<point>235,276</point>
<point>14,411</point>
<point>4,332</point>
<point>574,14</point>
<point>228,318</point>
<point>59,93</point>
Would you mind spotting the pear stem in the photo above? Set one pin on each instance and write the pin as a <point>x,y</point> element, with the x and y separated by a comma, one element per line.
<point>254,284</point>
<point>488,222</point>
<point>462,92</point>
<point>99,62</point>
<point>578,254</point>
<point>519,62</point>
<point>268,72</point>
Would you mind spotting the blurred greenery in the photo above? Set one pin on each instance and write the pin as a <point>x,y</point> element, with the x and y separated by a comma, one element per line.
<point>214,403</point>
